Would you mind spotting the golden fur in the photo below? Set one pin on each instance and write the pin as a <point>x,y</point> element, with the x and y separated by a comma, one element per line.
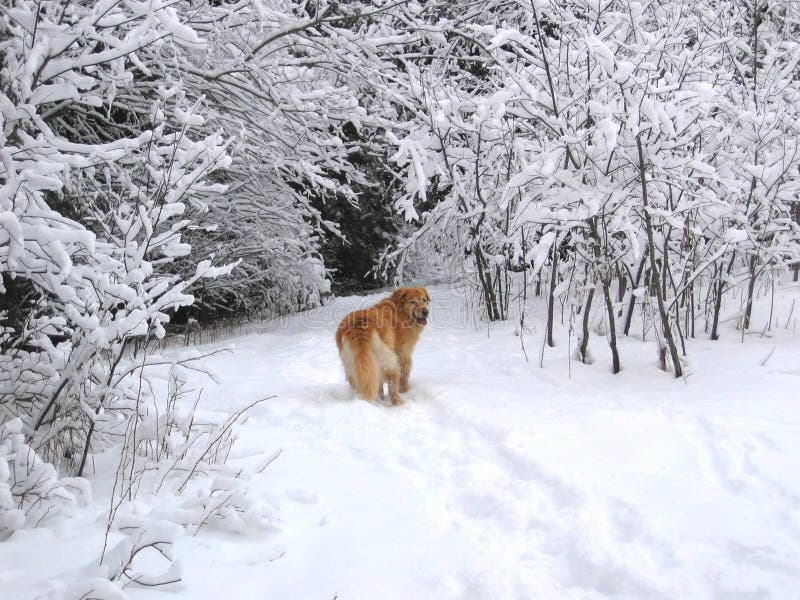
<point>375,343</point>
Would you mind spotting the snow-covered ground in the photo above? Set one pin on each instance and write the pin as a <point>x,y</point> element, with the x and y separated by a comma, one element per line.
<point>496,479</point>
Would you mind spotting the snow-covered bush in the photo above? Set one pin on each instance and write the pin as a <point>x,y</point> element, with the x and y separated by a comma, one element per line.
<point>93,193</point>
<point>179,464</point>
<point>647,152</point>
<point>283,92</point>
<point>153,156</point>
<point>31,492</point>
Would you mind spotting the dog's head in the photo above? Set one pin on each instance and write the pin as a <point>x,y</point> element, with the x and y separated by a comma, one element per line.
<point>413,304</point>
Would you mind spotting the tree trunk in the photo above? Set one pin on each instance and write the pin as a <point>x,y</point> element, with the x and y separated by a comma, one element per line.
<point>797,220</point>
<point>622,288</point>
<point>718,298</point>
<point>584,347</point>
<point>612,329</point>
<point>717,305</point>
<point>662,310</point>
<point>551,298</point>
<point>634,286</point>
<point>751,284</point>
<point>485,277</point>
<point>605,277</point>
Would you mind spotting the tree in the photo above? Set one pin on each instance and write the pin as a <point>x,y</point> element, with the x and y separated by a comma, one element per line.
<point>93,191</point>
<point>619,127</point>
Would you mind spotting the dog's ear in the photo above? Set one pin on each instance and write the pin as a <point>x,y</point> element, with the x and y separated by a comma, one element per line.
<point>400,295</point>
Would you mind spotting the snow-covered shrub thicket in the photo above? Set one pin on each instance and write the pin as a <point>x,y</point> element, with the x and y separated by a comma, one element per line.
<point>93,196</point>
<point>154,156</point>
<point>178,463</point>
<point>281,78</point>
<point>140,142</point>
<point>641,155</point>
<point>30,491</point>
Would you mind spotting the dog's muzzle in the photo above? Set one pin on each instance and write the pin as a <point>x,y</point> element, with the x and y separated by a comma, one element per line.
<point>422,319</point>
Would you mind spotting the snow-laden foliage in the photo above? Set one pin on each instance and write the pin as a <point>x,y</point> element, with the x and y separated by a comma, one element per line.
<point>646,148</point>
<point>93,201</point>
<point>260,83</point>
<point>291,99</point>
<point>31,492</point>
<point>178,464</point>
<point>155,156</point>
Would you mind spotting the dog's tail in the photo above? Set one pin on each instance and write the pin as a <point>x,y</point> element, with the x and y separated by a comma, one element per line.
<point>359,363</point>
<point>365,372</point>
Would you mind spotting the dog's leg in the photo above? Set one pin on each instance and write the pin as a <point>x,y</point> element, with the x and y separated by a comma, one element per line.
<point>405,372</point>
<point>393,377</point>
<point>381,394</point>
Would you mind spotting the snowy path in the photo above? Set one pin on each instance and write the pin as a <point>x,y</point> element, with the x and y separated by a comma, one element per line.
<point>498,479</point>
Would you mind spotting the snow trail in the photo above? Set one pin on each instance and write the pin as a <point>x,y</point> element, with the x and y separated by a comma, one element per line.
<point>497,479</point>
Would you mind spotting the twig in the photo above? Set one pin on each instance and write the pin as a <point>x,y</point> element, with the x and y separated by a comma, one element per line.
<point>223,431</point>
<point>269,461</point>
<point>769,354</point>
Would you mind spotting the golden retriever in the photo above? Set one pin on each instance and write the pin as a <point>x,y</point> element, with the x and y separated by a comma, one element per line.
<point>375,343</point>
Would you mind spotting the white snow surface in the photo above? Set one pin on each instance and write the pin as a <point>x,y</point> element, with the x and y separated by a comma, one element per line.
<point>495,479</point>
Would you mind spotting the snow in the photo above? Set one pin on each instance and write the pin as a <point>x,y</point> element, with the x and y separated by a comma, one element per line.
<point>496,479</point>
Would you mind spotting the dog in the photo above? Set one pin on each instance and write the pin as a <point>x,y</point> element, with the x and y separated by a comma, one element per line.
<point>375,344</point>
